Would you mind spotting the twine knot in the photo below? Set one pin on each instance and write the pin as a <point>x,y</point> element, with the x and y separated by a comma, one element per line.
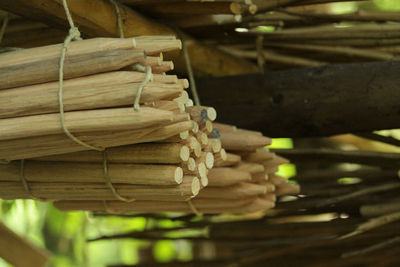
<point>75,34</point>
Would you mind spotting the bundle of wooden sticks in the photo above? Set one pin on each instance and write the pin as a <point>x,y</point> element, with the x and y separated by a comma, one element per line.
<point>160,156</point>
<point>241,181</point>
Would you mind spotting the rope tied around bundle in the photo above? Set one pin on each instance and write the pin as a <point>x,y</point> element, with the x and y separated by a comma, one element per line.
<point>25,182</point>
<point>193,208</point>
<point>189,69</point>
<point>73,35</point>
<point>109,183</point>
<point>139,67</point>
<point>4,26</point>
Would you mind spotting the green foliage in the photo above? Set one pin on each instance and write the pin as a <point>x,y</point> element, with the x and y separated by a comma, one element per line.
<point>387,5</point>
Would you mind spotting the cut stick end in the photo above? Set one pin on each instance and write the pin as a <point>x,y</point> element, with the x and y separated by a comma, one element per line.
<point>184,153</point>
<point>184,135</point>
<point>178,175</point>
<point>209,160</point>
<point>216,145</point>
<point>253,9</point>
<point>202,169</point>
<point>204,181</point>
<point>203,139</point>
<point>189,103</point>
<point>195,128</point>
<point>191,165</point>
<point>211,113</point>
<point>185,83</point>
<point>223,154</point>
<point>195,186</point>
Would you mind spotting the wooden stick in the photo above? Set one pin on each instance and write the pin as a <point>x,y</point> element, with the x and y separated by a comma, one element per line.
<point>373,223</point>
<point>208,159</point>
<point>42,171</point>
<point>275,162</point>
<point>276,179</point>
<point>250,167</point>
<point>58,144</point>
<point>365,191</point>
<point>231,160</point>
<point>84,191</point>
<point>242,141</point>
<point>76,48</point>
<point>206,59</point>
<point>78,98</point>
<point>214,145</point>
<point>204,205</point>
<point>237,191</point>
<point>221,177</point>
<point>194,8</point>
<point>74,66</point>
<point>18,251</point>
<point>168,153</point>
<point>83,121</point>
<point>259,176</point>
<point>258,156</point>
<point>287,189</point>
<point>332,155</point>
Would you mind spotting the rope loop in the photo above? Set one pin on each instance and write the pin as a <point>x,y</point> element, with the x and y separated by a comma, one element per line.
<point>147,69</point>
<point>73,34</point>
<point>119,19</point>
<point>193,208</point>
<point>108,209</point>
<point>109,183</point>
<point>25,182</point>
<point>4,26</point>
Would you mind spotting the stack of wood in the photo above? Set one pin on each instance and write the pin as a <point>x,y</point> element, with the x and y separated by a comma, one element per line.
<point>249,169</point>
<point>102,79</point>
<point>159,156</point>
<point>240,182</point>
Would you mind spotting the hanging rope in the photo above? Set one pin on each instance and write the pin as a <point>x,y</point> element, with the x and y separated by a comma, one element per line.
<point>109,183</point>
<point>119,19</point>
<point>260,52</point>
<point>146,79</point>
<point>108,209</point>
<point>193,208</point>
<point>4,26</point>
<point>139,67</point>
<point>73,34</point>
<point>25,182</point>
<point>189,69</point>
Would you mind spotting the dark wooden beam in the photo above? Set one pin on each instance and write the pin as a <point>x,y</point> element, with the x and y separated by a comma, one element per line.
<point>97,18</point>
<point>307,102</point>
